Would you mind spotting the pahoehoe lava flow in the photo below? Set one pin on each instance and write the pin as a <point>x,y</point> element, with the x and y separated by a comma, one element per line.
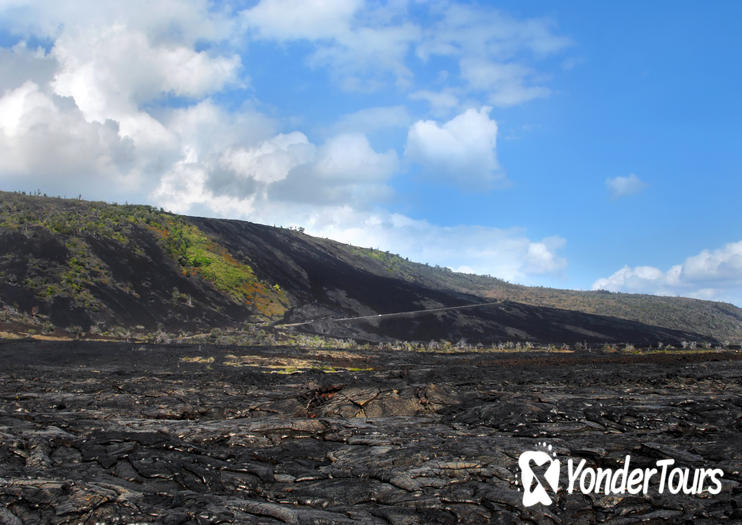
<point>122,433</point>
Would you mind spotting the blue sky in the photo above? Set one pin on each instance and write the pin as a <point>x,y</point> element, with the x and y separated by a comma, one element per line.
<point>579,145</point>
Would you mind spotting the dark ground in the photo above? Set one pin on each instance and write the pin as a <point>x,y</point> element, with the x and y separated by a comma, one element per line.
<point>120,433</point>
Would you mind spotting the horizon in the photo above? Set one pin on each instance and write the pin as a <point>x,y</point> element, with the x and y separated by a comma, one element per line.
<point>81,198</point>
<point>577,147</point>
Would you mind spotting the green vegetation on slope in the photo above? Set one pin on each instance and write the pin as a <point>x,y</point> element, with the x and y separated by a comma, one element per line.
<point>199,255</point>
<point>74,224</point>
<point>67,217</point>
<point>78,223</point>
<point>391,262</point>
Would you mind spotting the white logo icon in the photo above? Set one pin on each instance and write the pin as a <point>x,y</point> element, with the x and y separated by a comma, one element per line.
<point>538,471</point>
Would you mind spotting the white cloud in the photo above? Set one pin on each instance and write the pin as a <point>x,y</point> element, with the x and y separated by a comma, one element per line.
<point>45,138</point>
<point>365,58</point>
<point>282,168</point>
<point>345,169</point>
<point>470,30</point>
<point>360,47</point>
<point>441,102</point>
<point>185,188</point>
<point>182,187</point>
<point>211,129</point>
<point>350,156</point>
<point>507,254</point>
<point>365,44</point>
<point>492,50</point>
<point>114,58</point>
<point>711,274</point>
<point>20,64</point>
<point>85,114</point>
<point>722,265</point>
<point>103,81</point>
<point>271,160</point>
<point>506,83</point>
<point>112,70</point>
<point>625,186</point>
<point>295,19</point>
<point>373,119</point>
<point>164,21</point>
<point>462,149</point>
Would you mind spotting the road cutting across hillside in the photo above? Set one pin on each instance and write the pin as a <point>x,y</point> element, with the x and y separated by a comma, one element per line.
<point>391,315</point>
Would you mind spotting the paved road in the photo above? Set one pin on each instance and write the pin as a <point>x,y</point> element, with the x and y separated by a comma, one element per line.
<point>392,315</point>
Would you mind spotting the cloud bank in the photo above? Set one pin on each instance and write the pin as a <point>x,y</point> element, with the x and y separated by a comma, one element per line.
<point>710,274</point>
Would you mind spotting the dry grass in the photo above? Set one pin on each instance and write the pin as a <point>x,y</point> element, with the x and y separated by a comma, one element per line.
<point>198,359</point>
<point>288,365</point>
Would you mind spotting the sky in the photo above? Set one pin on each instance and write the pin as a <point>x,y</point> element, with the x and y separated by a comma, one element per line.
<point>583,145</point>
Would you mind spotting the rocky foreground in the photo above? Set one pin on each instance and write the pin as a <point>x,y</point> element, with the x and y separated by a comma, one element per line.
<point>123,433</point>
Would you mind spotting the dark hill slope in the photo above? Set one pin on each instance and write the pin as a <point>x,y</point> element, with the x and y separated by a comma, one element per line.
<point>330,279</point>
<point>711,318</point>
<point>68,262</point>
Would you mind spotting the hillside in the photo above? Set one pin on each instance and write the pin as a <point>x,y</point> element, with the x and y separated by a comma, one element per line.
<point>710,318</point>
<point>92,267</point>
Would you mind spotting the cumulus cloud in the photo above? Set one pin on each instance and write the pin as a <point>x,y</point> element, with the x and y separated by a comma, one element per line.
<point>112,57</point>
<point>271,160</point>
<point>86,106</point>
<point>111,71</point>
<point>711,274</point>
<point>462,149</point>
<point>282,168</point>
<point>185,189</point>
<point>625,186</point>
<point>46,137</point>
<point>351,156</point>
<point>212,129</point>
<point>20,64</point>
<point>345,169</point>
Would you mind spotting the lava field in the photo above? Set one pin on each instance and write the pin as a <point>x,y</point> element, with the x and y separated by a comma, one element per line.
<point>94,432</point>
